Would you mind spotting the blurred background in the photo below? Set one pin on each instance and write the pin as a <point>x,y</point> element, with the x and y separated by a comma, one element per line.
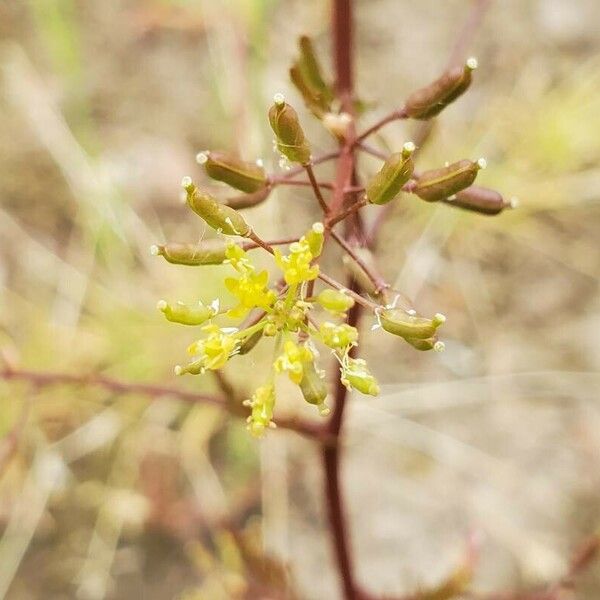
<point>103,106</point>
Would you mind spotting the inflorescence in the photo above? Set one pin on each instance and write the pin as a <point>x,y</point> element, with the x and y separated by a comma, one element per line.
<point>288,309</point>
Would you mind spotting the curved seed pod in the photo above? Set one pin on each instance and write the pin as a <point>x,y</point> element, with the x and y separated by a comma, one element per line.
<point>398,322</point>
<point>288,132</point>
<point>209,252</point>
<point>431,343</point>
<point>244,176</point>
<point>439,184</point>
<point>248,200</point>
<point>218,216</point>
<point>480,199</point>
<point>432,99</point>
<point>396,171</point>
<point>314,388</point>
<point>250,342</point>
<point>334,301</point>
<point>187,314</point>
<point>311,69</point>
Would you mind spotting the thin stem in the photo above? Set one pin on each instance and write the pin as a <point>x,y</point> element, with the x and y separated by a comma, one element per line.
<point>316,188</point>
<point>282,242</point>
<point>357,297</point>
<point>346,213</point>
<point>376,278</point>
<point>293,182</point>
<point>47,379</point>
<point>395,115</point>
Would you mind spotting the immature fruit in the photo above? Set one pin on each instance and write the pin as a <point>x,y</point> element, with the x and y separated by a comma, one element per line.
<point>289,135</point>
<point>399,322</point>
<point>431,343</point>
<point>433,98</point>
<point>250,342</point>
<point>312,385</point>
<point>248,200</point>
<point>209,252</point>
<point>396,171</point>
<point>218,216</point>
<point>244,176</point>
<point>439,184</point>
<point>479,199</point>
<point>187,314</point>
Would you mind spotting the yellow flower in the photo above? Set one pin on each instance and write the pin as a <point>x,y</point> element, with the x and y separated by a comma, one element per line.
<point>251,291</point>
<point>292,361</point>
<point>356,374</point>
<point>238,258</point>
<point>296,266</point>
<point>262,404</point>
<point>212,352</point>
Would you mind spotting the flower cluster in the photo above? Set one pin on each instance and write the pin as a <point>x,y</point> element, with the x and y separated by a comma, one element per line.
<point>303,322</point>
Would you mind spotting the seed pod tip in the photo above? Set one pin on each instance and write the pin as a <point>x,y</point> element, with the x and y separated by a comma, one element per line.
<point>482,163</point>
<point>154,250</point>
<point>279,99</point>
<point>471,63</point>
<point>202,157</point>
<point>439,347</point>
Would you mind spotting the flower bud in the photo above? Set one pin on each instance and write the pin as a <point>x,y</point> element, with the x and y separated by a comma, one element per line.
<point>222,166</point>
<point>218,216</point>
<point>315,237</point>
<point>396,171</point>
<point>187,314</point>
<point>399,322</point>
<point>338,337</point>
<point>432,99</point>
<point>209,252</point>
<point>314,389</point>
<point>479,199</point>
<point>439,184</point>
<point>288,132</point>
<point>335,301</point>
<point>337,124</point>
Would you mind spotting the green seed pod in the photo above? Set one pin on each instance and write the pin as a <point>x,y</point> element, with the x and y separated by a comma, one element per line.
<point>250,342</point>
<point>222,166</point>
<point>396,171</point>
<point>288,132</point>
<point>311,70</point>
<point>432,99</point>
<point>312,99</point>
<point>248,200</point>
<point>218,216</point>
<point>314,388</point>
<point>356,375</point>
<point>431,343</point>
<point>439,184</point>
<point>399,322</point>
<point>480,199</point>
<point>334,301</point>
<point>209,252</point>
<point>187,314</point>
<point>315,237</point>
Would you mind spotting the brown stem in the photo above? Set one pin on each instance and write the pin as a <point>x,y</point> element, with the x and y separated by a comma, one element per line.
<point>346,213</point>
<point>375,277</point>
<point>395,115</point>
<point>293,182</point>
<point>316,188</point>
<point>46,379</point>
